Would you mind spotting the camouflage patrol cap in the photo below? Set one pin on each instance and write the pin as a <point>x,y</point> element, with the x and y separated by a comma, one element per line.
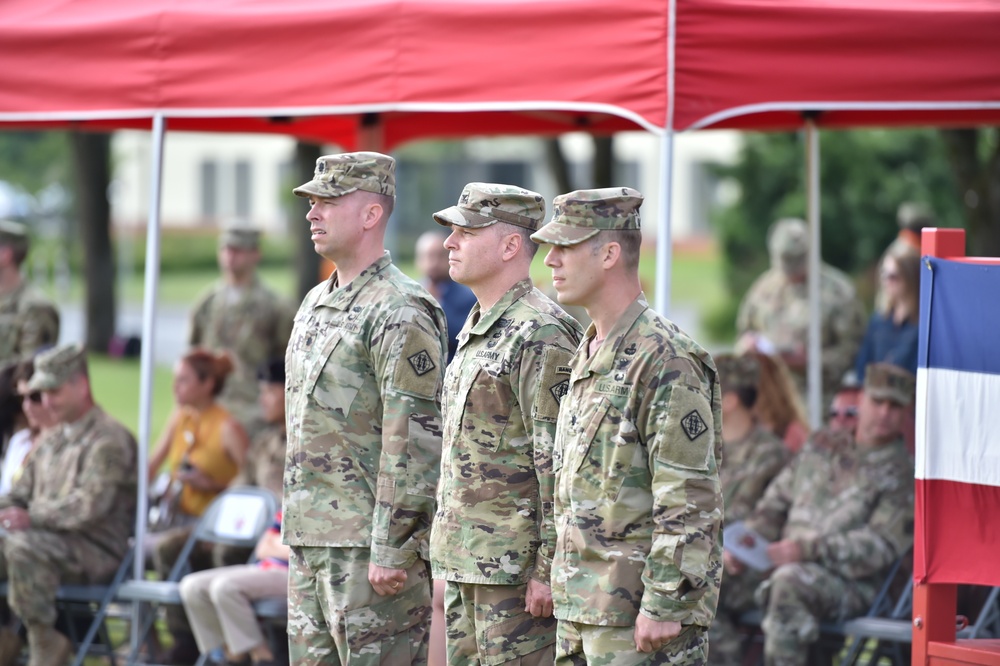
<point>884,381</point>
<point>13,234</point>
<point>737,371</point>
<point>580,215</point>
<point>337,175</point>
<point>485,204</point>
<point>788,243</point>
<point>914,215</point>
<point>243,238</point>
<point>55,366</point>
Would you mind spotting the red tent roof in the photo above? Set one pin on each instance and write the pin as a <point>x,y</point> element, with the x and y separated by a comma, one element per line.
<point>315,68</point>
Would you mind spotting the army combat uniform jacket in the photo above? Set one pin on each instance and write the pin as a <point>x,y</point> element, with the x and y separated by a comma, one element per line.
<point>80,483</point>
<point>363,380</point>
<point>638,500</point>
<point>494,521</point>
<point>849,507</point>
<point>28,322</point>
<point>751,463</point>
<point>252,324</point>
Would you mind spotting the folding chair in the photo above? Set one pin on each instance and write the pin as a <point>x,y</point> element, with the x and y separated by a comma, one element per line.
<point>237,517</point>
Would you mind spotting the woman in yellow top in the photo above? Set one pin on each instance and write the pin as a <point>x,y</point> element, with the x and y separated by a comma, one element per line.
<point>203,445</point>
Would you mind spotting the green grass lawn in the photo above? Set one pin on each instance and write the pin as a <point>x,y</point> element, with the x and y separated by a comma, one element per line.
<point>697,284</point>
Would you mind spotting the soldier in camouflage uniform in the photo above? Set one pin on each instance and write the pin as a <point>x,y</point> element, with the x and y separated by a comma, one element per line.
<point>842,513</point>
<point>754,456</point>
<point>242,316</point>
<point>364,369</point>
<point>774,314</point>
<point>69,516</point>
<point>28,320</point>
<point>638,502</point>
<point>493,535</point>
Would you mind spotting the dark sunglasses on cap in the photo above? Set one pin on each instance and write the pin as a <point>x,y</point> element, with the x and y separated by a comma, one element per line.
<point>34,396</point>
<point>846,412</point>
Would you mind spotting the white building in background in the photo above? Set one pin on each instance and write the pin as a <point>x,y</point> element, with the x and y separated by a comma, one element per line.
<point>209,179</point>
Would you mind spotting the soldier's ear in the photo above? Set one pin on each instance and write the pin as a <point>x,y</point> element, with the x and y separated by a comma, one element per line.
<point>510,245</point>
<point>611,254</point>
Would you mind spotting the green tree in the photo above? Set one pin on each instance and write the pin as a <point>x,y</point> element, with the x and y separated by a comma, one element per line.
<point>865,175</point>
<point>34,160</point>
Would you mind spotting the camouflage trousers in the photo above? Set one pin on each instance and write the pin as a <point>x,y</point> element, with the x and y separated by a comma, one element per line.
<point>798,597</point>
<point>582,644</point>
<point>336,618</point>
<point>487,626</point>
<point>36,562</point>
<point>725,636</point>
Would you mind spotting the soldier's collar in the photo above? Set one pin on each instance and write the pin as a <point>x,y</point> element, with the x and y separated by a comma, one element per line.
<point>341,296</point>
<point>73,430</point>
<point>490,317</point>
<point>602,362</point>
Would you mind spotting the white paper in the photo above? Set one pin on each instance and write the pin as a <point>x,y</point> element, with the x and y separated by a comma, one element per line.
<point>238,517</point>
<point>747,546</point>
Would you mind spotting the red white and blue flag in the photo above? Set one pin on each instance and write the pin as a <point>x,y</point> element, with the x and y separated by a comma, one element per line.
<point>957,531</point>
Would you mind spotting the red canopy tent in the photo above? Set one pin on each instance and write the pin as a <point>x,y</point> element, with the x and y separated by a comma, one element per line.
<point>375,73</point>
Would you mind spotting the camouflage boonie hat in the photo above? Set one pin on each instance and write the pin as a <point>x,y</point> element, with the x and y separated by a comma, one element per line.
<point>13,234</point>
<point>884,381</point>
<point>737,371</point>
<point>788,243</point>
<point>579,215</point>
<point>485,204</point>
<point>55,366</point>
<point>914,216</point>
<point>337,175</point>
<point>243,238</point>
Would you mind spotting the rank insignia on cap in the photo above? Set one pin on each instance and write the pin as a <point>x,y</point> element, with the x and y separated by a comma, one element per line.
<point>421,362</point>
<point>559,390</point>
<point>693,425</point>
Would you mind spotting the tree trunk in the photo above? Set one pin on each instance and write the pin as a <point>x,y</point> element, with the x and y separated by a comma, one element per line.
<point>307,262</point>
<point>975,162</point>
<point>603,161</point>
<point>91,167</point>
<point>558,165</point>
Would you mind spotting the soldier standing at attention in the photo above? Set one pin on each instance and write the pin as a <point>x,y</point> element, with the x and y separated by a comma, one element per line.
<point>774,315</point>
<point>69,516</point>
<point>363,382</point>
<point>494,535</point>
<point>28,320</point>
<point>638,503</point>
<point>841,513</point>
<point>242,316</point>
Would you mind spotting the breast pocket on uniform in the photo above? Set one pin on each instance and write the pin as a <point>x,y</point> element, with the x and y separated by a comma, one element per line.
<point>488,401</point>
<point>614,454</point>
<point>332,383</point>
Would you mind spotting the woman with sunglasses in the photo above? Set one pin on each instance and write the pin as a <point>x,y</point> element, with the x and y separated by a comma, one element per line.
<point>892,330</point>
<point>26,420</point>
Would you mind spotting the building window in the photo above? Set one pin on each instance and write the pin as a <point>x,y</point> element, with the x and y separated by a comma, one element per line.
<point>209,182</point>
<point>241,189</point>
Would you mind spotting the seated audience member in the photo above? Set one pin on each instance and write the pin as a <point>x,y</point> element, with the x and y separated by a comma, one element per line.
<point>69,515</point>
<point>891,336</point>
<point>265,462</point>
<point>219,602</point>
<point>753,456</point>
<point>779,406</point>
<point>838,516</point>
<point>455,299</point>
<point>30,418</point>
<point>204,447</point>
<point>844,409</point>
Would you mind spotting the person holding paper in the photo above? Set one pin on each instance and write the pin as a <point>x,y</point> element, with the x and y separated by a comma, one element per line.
<point>753,457</point>
<point>839,516</point>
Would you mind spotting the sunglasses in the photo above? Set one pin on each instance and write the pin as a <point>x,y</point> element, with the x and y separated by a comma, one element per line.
<point>845,412</point>
<point>34,396</point>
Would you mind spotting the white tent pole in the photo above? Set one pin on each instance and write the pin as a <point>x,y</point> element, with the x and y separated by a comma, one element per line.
<point>815,362</point>
<point>150,291</point>
<point>664,243</point>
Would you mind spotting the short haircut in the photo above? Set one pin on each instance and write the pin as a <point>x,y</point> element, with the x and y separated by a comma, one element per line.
<point>387,202</point>
<point>530,246</point>
<point>747,396</point>
<point>630,241</point>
